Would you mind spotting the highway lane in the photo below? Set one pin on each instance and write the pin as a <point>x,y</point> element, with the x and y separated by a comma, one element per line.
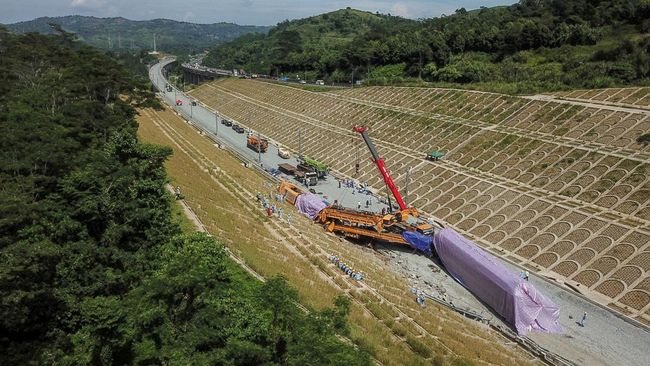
<point>204,115</point>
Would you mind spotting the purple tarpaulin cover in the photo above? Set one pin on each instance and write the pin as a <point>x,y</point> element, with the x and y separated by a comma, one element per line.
<point>309,204</point>
<point>508,294</point>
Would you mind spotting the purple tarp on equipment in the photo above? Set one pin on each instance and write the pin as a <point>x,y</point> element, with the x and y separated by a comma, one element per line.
<point>509,295</point>
<point>309,204</point>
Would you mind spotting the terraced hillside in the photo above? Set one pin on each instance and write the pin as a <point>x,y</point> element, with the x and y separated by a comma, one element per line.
<point>635,97</point>
<point>559,187</point>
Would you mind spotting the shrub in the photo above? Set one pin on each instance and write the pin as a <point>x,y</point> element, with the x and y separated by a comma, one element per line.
<point>388,73</point>
<point>644,139</point>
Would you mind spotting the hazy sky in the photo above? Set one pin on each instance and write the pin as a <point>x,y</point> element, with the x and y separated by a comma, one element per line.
<point>256,12</point>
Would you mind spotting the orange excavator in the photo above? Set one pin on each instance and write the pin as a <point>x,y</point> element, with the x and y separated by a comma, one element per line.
<point>361,224</point>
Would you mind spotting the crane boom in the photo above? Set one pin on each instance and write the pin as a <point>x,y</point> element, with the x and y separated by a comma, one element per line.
<point>381,166</point>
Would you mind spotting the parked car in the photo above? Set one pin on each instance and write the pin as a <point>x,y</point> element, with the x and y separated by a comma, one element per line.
<point>234,126</point>
<point>240,129</point>
<point>226,123</point>
<point>320,82</point>
<point>284,154</point>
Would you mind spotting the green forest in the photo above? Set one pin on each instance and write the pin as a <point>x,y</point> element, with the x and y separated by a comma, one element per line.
<point>93,267</point>
<point>123,34</point>
<point>533,45</point>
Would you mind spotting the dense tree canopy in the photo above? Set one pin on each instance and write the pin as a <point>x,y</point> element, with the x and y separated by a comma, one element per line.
<point>543,44</point>
<point>93,270</point>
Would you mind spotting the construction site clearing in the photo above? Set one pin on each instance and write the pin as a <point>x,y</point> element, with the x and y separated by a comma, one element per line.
<point>391,228</point>
<point>558,187</point>
<point>218,187</point>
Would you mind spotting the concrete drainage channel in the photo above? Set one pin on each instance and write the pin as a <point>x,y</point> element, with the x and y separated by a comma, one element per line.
<point>529,345</point>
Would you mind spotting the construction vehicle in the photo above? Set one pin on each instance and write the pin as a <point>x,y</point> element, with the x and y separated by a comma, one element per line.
<point>361,224</point>
<point>434,155</point>
<point>307,178</point>
<point>289,191</point>
<point>287,169</point>
<point>257,144</point>
<point>404,212</point>
<point>309,164</point>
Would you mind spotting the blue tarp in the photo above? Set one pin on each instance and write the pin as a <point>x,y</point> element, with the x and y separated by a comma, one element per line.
<point>418,241</point>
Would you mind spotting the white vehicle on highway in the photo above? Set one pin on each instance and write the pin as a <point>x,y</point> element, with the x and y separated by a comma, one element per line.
<point>284,154</point>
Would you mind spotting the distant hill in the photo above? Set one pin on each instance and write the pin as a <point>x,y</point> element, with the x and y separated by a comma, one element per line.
<point>315,44</point>
<point>171,36</point>
<point>530,46</point>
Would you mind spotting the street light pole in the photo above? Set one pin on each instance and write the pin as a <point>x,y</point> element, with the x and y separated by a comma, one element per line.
<point>259,148</point>
<point>300,144</point>
<point>216,123</point>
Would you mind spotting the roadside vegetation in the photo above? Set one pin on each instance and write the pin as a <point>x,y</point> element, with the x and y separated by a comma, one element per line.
<point>531,46</point>
<point>94,265</point>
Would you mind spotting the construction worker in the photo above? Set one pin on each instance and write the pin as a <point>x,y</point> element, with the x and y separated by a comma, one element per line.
<point>526,274</point>
<point>258,196</point>
<point>420,299</point>
<point>359,205</point>
<point>367,203</point>
<point>583,319</point>
<point>289,218</point>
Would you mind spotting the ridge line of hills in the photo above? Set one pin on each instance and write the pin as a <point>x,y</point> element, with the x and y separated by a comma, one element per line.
<point>110,33</point>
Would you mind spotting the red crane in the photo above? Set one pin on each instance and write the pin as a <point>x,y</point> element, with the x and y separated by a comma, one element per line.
<point>381,166</point>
